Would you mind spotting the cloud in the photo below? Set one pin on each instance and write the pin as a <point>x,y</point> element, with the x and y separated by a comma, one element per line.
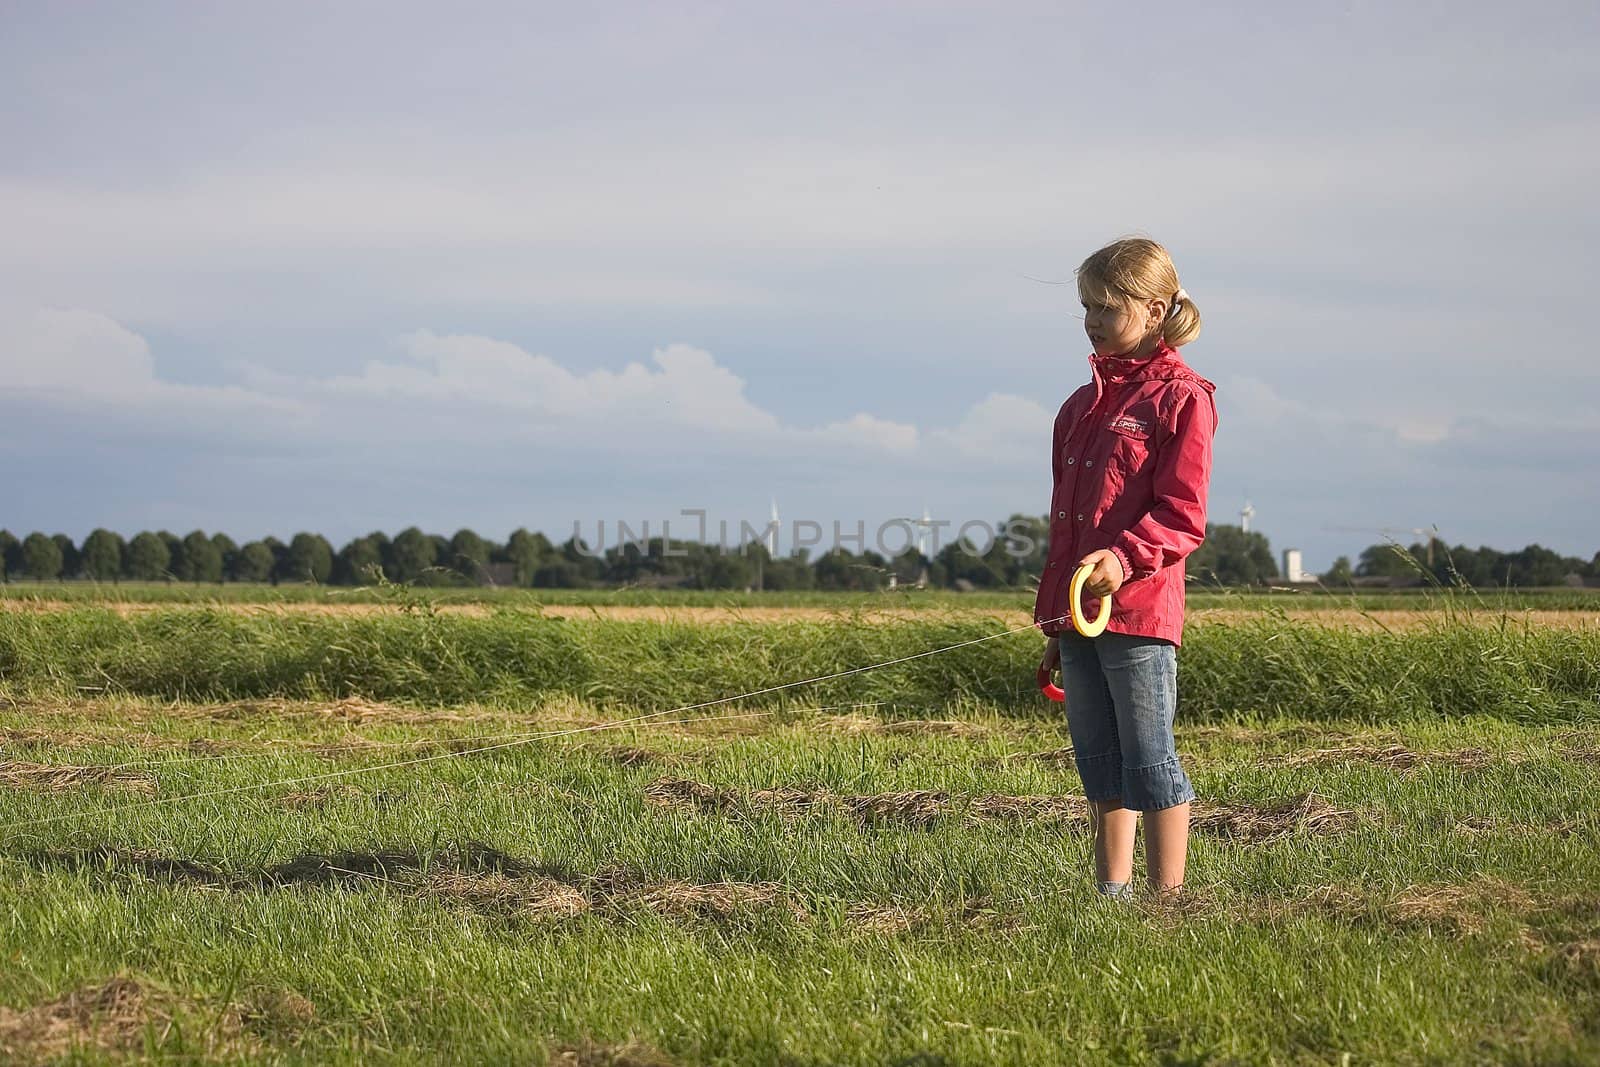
<point>467,425</point>
<point>876,433</point>
<point>480,388</point>
<point>61,350</point>
<point>75,358</point>
<point>1001,427</point>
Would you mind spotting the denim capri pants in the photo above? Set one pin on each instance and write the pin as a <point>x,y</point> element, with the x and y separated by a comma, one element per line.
<point>1122,694</point>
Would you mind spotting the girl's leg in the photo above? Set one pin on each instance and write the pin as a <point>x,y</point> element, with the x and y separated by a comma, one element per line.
<point>1166,846</point>
<point>1142,675</point>
<point>1092,720</point>
<point>1113,826</point>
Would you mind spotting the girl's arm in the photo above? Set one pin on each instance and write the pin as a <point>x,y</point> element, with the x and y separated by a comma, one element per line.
<point>1176,523</point>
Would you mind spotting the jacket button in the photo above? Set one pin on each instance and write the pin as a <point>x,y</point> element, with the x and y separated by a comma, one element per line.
<point>1061,514</point>
<point>1052,564</point>
<point>1071,460</point>
<point>1080,516</point>
<point>1088,463</point>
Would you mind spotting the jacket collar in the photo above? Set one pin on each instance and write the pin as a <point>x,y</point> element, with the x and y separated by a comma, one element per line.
<point>1163,362</point>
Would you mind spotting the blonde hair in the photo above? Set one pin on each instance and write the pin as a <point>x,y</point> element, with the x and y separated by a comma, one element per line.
<point>1132,271</point>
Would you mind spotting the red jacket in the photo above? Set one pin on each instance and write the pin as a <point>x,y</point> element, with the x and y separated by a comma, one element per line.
<point>1132,459</point>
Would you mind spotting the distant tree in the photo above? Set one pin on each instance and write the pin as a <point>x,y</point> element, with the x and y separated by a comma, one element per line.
<point>358,562</point>
<point>559,574</point>
<point>253,563</point>
<point>175,564</point>
<point>201,560</point>
<point>789,572</point>
<point>226,551</point>
<point>71,558</point>
<point>280,558</point>
<point>1340,573</point>
<point>103,553</point>
<point>725,570</point>
<point>1536,565</point>
<point>381,542</point>
<point>1231,556</point>
<point>840,569</point>
<point>909,565</point>
<point>589,567</point>
<point>412,553</point>
<point>148,557</point>
<point>308,559</point>
<point>10,555</point>
<point>439,574</point>
<point>527,552</point>
<point>468,556</point>
<point>1390,560</point>
<point>41,557</point>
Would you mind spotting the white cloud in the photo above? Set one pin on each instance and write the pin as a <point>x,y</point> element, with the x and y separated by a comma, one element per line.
<point>83,359</point>
<point>73,351</point>
<point>1001,427</point>
<point>864,429</point>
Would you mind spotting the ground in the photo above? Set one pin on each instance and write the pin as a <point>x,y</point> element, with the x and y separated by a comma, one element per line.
<point>805,887</point>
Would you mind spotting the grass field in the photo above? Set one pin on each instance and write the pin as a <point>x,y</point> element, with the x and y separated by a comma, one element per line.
<point>1394,856</point>
<point>1200,597</point>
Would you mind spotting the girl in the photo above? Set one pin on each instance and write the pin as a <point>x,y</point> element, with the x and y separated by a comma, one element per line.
<point>1132,457</point>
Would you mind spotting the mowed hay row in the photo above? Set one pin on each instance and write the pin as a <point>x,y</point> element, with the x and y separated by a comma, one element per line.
<point>61,778</point>
<point>924,808</point>
<point>487,882</point>
<point>122,1017</point>
<point>1271,665</point>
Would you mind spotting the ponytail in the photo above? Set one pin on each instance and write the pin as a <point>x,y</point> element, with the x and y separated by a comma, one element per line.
<point>1182,324</point>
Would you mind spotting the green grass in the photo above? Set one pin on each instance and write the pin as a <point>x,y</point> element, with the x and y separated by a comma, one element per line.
<point>1295,950</point>
<point>1453,666</point>
<point>1200,597</point>
<point>356,889</point>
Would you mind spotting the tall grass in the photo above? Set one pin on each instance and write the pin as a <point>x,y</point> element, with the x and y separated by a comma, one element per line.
<point>1453,665</point>
<point>1201,596</point>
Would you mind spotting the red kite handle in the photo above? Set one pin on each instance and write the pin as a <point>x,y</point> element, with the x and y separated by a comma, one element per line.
<point>1049,688</point>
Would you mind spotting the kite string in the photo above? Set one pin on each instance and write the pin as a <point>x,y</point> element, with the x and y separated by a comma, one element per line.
<point>419,760</point>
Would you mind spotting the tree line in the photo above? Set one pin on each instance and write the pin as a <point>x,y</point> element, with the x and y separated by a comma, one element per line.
<point>1229,556</point>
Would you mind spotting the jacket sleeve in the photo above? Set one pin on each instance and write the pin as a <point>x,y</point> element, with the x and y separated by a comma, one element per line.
<point>1176,523</point>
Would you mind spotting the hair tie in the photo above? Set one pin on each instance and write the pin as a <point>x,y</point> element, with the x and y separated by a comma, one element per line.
<point>1177,298</point>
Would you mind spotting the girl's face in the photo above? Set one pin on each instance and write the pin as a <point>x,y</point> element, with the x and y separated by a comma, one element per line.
<point>1121,329</point>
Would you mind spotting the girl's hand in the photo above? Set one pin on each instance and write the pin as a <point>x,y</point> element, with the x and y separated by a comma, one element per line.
<point>1107,576</point>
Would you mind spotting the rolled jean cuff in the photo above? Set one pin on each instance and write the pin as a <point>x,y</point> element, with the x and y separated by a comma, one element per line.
<point>1161,785</point>
<point>1102,776</point>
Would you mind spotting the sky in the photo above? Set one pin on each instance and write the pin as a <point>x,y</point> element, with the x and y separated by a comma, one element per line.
<point>352,267</point>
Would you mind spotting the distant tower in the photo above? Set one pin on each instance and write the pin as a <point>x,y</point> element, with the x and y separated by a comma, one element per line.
<point>1293,566</point>
<point>1246,513</point>
<point>772,531</point>
<point>922,545</point>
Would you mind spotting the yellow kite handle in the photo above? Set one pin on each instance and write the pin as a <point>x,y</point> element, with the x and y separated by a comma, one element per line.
<point>1096,626</point>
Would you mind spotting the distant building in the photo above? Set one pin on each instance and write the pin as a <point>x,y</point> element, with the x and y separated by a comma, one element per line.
<point>1293,566</point>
